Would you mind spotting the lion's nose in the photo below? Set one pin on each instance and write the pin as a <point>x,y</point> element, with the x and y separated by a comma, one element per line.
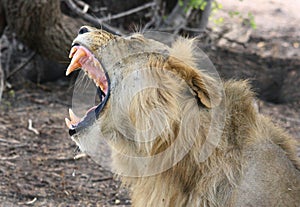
<point>83,30</point>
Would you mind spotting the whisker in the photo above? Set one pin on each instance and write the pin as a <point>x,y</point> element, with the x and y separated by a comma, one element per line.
<point>79,83</point>
<point>87,83</point>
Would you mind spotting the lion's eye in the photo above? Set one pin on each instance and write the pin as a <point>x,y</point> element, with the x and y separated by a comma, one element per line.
<point>83,30</point>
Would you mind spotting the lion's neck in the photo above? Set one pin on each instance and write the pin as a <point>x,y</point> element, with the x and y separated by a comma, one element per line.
<point>185,184</point>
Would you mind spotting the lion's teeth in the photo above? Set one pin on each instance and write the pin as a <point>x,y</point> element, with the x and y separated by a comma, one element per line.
<point>79,53</point>
<point>72,52</point>
<point>72,67</point>
<point>95,82</point>
<point>101,86</point>
<point>73,116</point>
<point>68,123</point>
<point>96,63</point>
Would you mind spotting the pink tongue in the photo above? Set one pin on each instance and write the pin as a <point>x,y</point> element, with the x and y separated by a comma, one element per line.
<point>91,109</point>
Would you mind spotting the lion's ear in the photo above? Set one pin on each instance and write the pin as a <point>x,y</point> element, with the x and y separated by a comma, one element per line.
<point>206,88</point>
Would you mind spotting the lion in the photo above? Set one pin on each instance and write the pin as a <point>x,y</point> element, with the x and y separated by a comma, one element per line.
<point>179,135</point>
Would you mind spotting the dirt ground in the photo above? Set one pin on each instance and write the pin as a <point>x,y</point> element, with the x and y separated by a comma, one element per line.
<point>37,165</point>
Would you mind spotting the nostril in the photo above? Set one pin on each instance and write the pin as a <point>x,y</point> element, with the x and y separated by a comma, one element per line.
<point>83,30</point>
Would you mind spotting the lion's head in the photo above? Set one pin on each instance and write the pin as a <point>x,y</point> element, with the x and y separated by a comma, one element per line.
<point>149,94</point>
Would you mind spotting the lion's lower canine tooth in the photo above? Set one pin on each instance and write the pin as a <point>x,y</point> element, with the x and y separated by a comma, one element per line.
<point>73,116</point>
<point>68,123</point>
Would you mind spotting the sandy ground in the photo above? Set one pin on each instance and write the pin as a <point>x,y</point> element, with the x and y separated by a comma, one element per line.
<point>271,16</point>
<point>277,32</point>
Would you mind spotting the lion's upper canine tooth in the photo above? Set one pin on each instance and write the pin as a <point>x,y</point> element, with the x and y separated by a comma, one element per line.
<point>72,67</point>
<point>75,64</point>
<point>73,116</point>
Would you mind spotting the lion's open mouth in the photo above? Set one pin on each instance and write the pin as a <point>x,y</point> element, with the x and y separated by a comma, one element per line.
<point>84,59</point>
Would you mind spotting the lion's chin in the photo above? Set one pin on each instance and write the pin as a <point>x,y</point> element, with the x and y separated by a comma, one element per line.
<point>92,143</point>
<point>84,59</point>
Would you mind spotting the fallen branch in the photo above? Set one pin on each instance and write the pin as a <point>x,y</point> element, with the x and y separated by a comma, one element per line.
<point>81,155</point>
<point>196,30</point>
<point>30,202</point>
<point>22,65</point>
<point>10,158</point>
<point>102,179</point>
<point>1,82</point>
<point>85,6</point>
<point>234,41</point>
<point>30,128</point>
<point>9,141</point>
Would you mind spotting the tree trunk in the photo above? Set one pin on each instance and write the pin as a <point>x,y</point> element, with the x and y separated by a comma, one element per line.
<point>1,82</point>
<point>177,18</point>
<point>205,15</point>
<point>42,26</point>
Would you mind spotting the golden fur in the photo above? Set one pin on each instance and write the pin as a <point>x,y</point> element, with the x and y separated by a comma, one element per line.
<point>253,164</point>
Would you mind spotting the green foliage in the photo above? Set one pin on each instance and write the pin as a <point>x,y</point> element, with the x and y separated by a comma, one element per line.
<point>216,6</point>
<point>12,94</point>
<point>248,20</point>
<point>251,20</point>
<point>219,20</point>
<point>201,4</point>
<point>198,4</point>
<point>234,13</point>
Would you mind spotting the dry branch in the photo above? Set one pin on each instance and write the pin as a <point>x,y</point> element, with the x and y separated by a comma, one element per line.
<point>91,19</point>
<point>30,127</point>
<point>81,155</point>
<point>126,13</point>
<point>22,65</point>
<point>178,18</point>
<point>85,6</point>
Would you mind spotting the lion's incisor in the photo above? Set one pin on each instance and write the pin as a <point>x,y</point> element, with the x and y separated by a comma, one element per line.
<point>254,163</point>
